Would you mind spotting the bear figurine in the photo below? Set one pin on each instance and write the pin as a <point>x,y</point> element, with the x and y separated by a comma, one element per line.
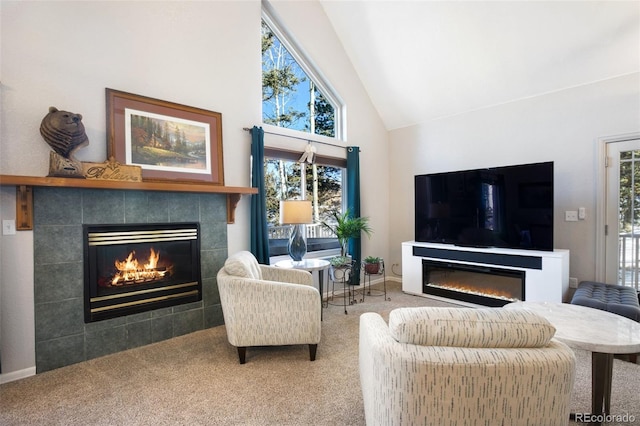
<point>65,133</point>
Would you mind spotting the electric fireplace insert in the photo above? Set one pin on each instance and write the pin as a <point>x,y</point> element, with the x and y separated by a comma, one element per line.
<point>134,268</point>
<point>475,284</point>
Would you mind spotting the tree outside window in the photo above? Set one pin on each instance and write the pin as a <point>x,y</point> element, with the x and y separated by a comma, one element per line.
<point>289,97</point>
<point>323,185</point>
<point>630,192</point>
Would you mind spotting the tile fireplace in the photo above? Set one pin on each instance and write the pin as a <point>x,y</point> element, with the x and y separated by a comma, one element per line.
<point>136,268</point>
<point>60,214</point>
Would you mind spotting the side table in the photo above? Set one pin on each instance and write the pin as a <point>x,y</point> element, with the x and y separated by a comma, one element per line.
<point>599,332</point>
<point>310,265</point>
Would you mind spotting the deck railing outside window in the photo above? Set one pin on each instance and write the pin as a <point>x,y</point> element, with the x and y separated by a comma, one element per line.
<point>629,274</point>
<point>313,231</point>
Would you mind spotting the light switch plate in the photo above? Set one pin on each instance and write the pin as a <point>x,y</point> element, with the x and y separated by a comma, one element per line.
<point>8,227</point>
<point>582,213</point>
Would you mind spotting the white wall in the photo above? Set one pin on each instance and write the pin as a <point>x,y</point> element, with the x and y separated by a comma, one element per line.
<point>203,54</point>
<point>563,127</point>
<point>17,329</point>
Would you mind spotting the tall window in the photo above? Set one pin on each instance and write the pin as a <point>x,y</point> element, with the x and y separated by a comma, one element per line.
<point>291,96</point>
<point>296,97</point>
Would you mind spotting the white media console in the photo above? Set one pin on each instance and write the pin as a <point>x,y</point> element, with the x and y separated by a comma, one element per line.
<point>546,272</point>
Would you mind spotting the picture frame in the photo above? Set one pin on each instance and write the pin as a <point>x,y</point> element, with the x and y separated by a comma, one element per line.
<point>169,141</point>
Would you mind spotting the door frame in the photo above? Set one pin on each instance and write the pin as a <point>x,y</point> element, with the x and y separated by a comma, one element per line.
<point>601,198</point>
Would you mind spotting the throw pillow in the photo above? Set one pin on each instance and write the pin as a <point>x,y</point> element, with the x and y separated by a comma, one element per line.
<point>470,328</point>
<point>243,264</point>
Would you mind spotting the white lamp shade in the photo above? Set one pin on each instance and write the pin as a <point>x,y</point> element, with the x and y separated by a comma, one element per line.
<point>295,212</point>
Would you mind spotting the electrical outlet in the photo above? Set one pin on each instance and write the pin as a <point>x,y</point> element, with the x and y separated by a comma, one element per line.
<point>573,282</point>
<point>8,227</point>
<point>571,216</point>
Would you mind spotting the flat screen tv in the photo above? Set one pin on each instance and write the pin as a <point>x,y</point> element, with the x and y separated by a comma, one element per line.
<point>509,207</point>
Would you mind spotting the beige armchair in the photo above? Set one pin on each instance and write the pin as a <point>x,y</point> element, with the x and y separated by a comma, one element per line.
<point>463,366</point>
<point>268,306</point>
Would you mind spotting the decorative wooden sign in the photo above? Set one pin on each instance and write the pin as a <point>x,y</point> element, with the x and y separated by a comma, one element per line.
<point>112,170</point>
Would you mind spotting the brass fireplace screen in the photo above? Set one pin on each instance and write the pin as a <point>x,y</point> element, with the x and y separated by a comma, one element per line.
<point>135,268</point>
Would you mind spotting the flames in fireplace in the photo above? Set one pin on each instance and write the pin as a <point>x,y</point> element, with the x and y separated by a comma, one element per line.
<point>473,290</point>
<point>482,285</point>
<point>131,271</point>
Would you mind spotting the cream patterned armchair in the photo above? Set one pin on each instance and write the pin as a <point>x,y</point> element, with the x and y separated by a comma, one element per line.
<point>463,366</point>
<point>268,306</point>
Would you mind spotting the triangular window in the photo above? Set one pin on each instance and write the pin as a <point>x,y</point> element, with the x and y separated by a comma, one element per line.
<point>294,95</point>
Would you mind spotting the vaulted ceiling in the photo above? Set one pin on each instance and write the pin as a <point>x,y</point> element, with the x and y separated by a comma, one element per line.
<point>424,60</point>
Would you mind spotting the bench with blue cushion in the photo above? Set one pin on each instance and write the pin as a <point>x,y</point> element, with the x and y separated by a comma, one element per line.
<point>618,299</point>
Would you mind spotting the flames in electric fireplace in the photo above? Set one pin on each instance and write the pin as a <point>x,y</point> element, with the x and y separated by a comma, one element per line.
<point>480,285</point>
<point>139,267</point>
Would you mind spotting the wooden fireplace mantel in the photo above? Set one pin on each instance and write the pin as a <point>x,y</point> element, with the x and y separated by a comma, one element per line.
<point>24,193</point>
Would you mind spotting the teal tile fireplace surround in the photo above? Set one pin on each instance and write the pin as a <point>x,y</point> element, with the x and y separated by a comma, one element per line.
<point>62,337</point>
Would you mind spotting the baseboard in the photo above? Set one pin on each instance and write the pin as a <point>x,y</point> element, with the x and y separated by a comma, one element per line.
<point>17,375</point>
<point>340,290</point>
<point>380,280</point>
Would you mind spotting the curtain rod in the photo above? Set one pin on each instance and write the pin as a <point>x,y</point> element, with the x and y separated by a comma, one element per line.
<point>297,137</point>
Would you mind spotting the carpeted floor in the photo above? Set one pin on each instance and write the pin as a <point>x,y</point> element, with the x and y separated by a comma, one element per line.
<point>196,380</point>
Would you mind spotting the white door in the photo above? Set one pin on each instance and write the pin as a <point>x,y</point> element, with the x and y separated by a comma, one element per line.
<point>622,213</point>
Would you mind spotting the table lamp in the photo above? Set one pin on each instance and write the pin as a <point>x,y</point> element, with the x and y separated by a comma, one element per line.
<point>296,213</point>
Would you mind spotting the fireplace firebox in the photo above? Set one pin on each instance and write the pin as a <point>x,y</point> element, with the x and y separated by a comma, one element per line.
<point>480,285</point>
<point>134,268</point>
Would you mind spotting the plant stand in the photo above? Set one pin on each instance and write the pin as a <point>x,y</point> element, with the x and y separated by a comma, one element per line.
<point>367,281</point>
<point>342,274</point>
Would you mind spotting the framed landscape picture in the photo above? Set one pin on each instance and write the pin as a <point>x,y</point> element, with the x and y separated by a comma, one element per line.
<point>168,141</point>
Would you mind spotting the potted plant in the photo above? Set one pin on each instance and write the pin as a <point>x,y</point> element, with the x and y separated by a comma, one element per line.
<point>371,265</point>
<point>338,261</point>
<point>345,227</point>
